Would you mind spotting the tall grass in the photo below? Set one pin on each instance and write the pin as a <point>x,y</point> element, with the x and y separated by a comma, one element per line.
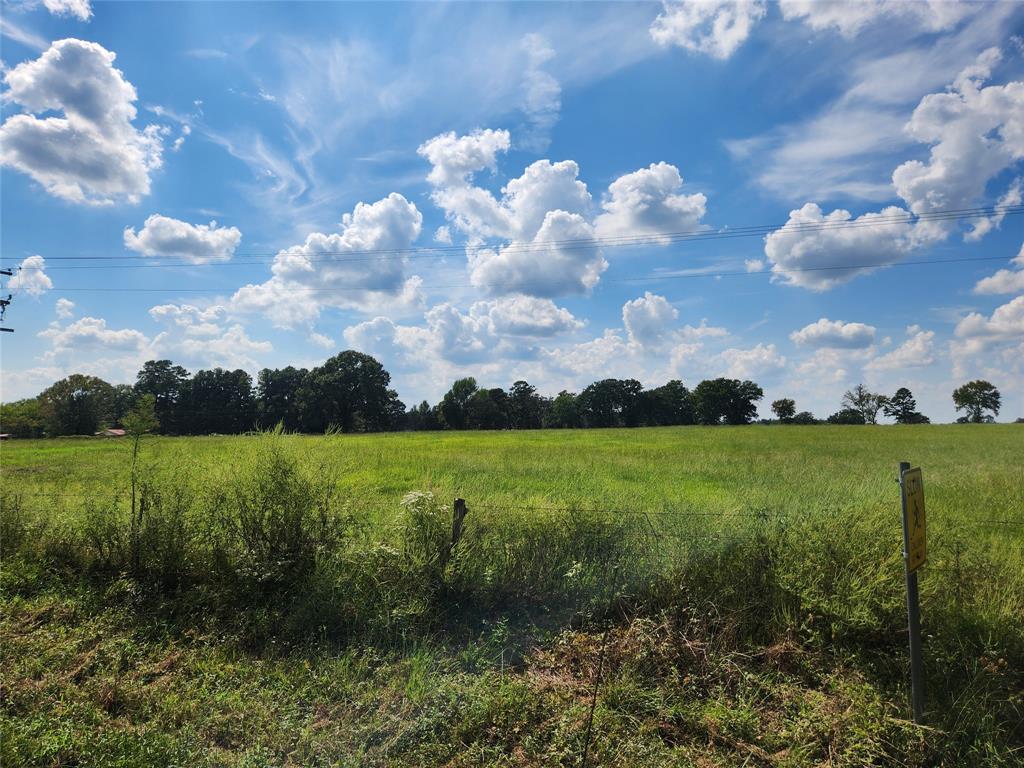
<point>288,541</point>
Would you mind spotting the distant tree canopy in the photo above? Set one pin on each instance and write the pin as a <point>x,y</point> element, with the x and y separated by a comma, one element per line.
<point>77,405</point>
<point>727,401</point>
<point>902,408</point>
<point>976,397</point>
<point>351,392</point>
<point>784,408</point>
<point>864,402</point>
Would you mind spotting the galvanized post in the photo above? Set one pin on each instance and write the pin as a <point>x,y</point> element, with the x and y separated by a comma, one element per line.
<point>913,612</point>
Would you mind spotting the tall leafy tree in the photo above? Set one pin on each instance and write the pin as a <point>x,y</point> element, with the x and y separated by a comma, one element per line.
<point>423,417</point>
<point>564,412</point>
<point>220,401</point>
<point>276,396</point>
<point>454,405</point>
<point>488,409</point>
<point>166,382</point>
<point>785,409</point>
<point>728,401</point>
<point>668,405</point>
<point>77,405</point>
<point>22,418</point>
<point>976,397</point>
<point>903,408</point>
<point>349,391</point>
<point>526,407</point>
<point>865,402</point>
<point>612,403</point>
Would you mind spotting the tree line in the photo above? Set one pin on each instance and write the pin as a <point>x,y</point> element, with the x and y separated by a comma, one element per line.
<point>351,392</point>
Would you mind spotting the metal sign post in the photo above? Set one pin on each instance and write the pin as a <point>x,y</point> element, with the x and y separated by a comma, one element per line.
<point>914,555</point>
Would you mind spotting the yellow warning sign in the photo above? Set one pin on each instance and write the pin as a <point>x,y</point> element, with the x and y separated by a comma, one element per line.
<point>913,511</point>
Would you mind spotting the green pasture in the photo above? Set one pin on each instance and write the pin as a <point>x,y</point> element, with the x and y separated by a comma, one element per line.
<point>737,593</point>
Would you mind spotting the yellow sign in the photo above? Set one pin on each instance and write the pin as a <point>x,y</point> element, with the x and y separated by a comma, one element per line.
<point>913,511</point>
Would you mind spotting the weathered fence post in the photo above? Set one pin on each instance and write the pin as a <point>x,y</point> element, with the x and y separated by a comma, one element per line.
<point>913,557</point>
<point>458,519</point>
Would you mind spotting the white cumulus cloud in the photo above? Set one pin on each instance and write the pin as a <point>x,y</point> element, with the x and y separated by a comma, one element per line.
<point>1005,280</point>
<point>915,352</point>
<point>713,27</point>
<point>976,133</point>
<point>79,9</point>
<point>30,277</point>
<point>834,334</point>
<point>65,309</point>
<point>759,360</point>
<point>648,320</point>
<point>92,153</point>
<point>819,251</point>
<point>545,216</point>
<point>92,333</point>
<point>196,243</point>
<point>361,266</point>
<point>849,17</point>
<point>647,202</point>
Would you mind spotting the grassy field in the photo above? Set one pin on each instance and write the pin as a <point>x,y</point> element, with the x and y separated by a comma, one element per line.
<point>736,592</point>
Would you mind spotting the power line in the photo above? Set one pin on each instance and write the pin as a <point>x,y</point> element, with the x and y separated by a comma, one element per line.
<point>655,238</point>
<point>648,278</point>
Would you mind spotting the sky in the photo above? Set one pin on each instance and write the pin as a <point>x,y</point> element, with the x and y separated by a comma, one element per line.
<point>553,192</point>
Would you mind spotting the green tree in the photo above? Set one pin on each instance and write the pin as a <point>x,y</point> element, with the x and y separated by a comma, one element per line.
<point>456,401</point>
<point>22,418</point>
<point>526,407</point>
<point>903,408</point>
<point>865,402</point>
<point>612,403</point>
<point>668,405</point>
<point>726,400</point>
<point>77,405</point>
<point>122,399</point>
<point>847,416</point>
<point>423,417</point>
<point>219,401</point>
<point>142,418</point>
<point>488,409</point>
<point>564,412</point>
<point>976,397</point>
<point>166,382</point>
<point>349,391</point>
<point>785,409</point>
<point>277,396</point>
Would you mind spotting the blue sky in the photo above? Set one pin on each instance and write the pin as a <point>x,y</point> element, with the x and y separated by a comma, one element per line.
<point>252,185</point>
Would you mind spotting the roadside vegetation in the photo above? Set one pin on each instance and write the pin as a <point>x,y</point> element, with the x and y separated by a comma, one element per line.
<point>734,596</point>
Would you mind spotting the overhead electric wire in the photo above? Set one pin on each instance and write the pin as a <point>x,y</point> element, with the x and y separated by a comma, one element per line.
<point>440,252</point>
<point>649,278</point>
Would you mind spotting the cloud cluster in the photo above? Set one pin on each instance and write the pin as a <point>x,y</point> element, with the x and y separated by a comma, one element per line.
<point>819,251</point>
<point>834,334</point>
<point>93,153</point>
<point>648,202</point>
<point>91,334</point>
<point>30,277</point>
<point>546,215</point>
<point>850,18</point>
<point>917,351</point>
<point>713,27</point>
<point>79,9</point>
<point>975,133</point>
<point>507,327</point>
<point>362,265</point>
<point>196,243</point>
<point>1005,280</point>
